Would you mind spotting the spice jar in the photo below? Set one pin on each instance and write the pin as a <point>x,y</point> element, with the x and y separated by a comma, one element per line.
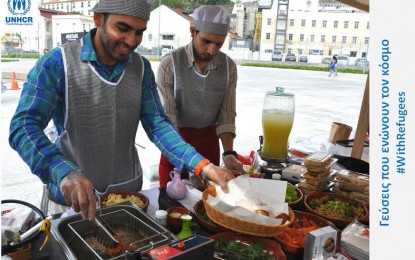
<point>161,217</point>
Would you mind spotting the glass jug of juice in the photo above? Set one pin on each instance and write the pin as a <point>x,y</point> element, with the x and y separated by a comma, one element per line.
<point>277,121</point>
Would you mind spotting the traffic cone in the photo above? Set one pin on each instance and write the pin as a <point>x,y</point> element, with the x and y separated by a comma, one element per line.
<point>15,86</point>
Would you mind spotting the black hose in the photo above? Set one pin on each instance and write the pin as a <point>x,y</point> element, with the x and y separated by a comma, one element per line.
<point>9,248</point>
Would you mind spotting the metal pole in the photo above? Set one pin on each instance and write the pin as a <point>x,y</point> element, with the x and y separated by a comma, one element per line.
<point>158,39</point>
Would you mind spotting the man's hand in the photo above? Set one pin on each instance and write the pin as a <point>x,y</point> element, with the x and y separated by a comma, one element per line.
<point>79,192</point>
<point>233,164</point>
<point>220,176</point>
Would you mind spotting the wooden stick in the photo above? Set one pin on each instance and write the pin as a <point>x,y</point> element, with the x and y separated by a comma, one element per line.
<point>362,124</point>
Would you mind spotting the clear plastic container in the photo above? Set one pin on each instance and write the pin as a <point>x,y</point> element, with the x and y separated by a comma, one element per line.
<point>161,217</point>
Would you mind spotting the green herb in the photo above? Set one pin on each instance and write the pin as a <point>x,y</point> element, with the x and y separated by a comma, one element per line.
<point>204,215</point>
<point>291,194</point>
<point>255,251</point>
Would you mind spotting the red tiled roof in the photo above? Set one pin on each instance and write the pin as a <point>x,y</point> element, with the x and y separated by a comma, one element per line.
<point>47,13</point>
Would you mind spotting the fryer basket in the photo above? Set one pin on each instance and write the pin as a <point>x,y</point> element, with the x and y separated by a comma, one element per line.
<point>136,230</point>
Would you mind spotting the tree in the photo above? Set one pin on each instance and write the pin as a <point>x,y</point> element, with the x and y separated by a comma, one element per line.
<point>170,3</point>
<point>189,6</point>
<point>214,2</point>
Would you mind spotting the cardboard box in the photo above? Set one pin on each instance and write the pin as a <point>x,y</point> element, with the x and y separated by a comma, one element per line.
<point>320,244</point>
<point>18,220</point>
<point>312,245</point>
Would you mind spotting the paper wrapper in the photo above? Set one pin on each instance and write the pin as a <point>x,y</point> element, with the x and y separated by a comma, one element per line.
<point>249,194</point>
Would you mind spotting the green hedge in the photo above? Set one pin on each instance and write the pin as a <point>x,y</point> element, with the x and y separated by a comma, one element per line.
<point>300,67</point>
<point>21,56</point>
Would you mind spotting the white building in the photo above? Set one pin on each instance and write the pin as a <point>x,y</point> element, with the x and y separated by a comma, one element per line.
<point>72,23</point>
<point>71,6</point>
<point>172,26</point>
<point>312,28</point>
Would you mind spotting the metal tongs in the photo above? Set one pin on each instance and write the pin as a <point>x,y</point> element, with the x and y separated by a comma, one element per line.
<point>103,232</point>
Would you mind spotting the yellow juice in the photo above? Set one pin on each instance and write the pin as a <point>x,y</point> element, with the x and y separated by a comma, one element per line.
<point>276,127</point>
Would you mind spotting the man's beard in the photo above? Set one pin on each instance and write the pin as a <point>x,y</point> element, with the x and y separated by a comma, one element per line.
<point>109,46</point>
<point>203,58</point>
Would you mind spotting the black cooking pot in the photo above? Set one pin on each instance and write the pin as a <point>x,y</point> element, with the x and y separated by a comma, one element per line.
<point>11,247</point>
<point>352,164</point>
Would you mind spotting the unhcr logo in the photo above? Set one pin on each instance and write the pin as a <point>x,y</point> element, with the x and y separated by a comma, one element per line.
<point>19,10</point>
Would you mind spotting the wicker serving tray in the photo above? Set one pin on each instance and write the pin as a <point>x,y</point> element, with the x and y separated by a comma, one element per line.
<point>240,225</point>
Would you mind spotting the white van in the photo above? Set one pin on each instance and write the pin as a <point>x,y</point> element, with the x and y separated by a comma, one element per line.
<point>277,56</point>
<point>342,60</point>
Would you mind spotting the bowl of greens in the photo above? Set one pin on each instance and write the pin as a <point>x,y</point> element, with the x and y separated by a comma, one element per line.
<point>294,196</point>
<point>229,245</point>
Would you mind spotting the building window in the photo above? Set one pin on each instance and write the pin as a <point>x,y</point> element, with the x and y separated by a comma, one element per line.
<point>268,51</point>
<point>89,3</point>
<point>269,21</point>
<point>323,38</point>
<point>366,40</point>
<point>291,22</point>
<point>289,51</point>
<point>290,37</point>
<point>336,24</point>
<point>324,23</point>
<point>168,37</point>
<point>302,23</point>
<point>354,39</point>
<point>312,38</point>
<point>268,36</point>
<point>333,39</point>
<point>356,25</point>
<point>73,5</point>
<point>300,51</point>
<point>301,37</point>
<point>344,39</point>
<point>367,25</point>
<point>313,23</point>
<point>346,24</point>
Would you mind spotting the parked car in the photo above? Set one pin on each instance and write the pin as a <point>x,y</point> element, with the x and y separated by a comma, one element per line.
<point>277,56</point>
<point>361,63</point>
<point>326,60</point>
<point>165,51</point>
<point>303,58</point>
<point>342,60</point>
<point>291,57</point>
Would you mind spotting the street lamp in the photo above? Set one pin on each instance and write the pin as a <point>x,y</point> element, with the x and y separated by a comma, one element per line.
<point>158,38</point>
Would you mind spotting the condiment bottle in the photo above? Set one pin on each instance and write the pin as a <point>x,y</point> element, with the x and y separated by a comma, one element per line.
<point>186,226</point>
<point>176,189</point>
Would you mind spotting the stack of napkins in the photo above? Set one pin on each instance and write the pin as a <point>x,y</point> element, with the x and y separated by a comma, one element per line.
<point>355,240</point>
<point>247,195</point>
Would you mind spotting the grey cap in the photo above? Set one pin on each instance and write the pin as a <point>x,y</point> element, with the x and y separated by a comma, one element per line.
<point>137,8</point>
<point>212,19</point>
